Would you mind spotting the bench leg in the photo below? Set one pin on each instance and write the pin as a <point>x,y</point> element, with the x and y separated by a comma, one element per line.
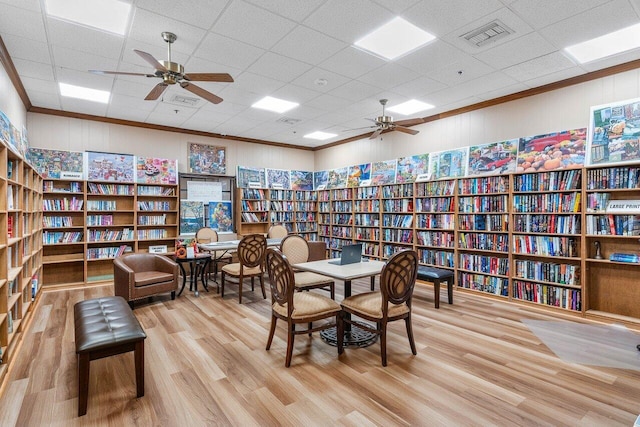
<point>83,383</point>
<point>436,290</point>
<point>139,362</point>
<point>450,290</point>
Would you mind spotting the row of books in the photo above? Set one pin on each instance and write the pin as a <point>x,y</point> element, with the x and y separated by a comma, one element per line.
<point>443,221</point>
<point>469,204</point>
<point>342,232</point>
<point>367,192</point>
<point>545,245</point>
<point>568,179</point>
<point>306,195</point>
<point>116,189</point>
<point>159,233</point>
<point>484,185</point>
<point>398,205</point>
<point>435,204</point>
<point>616,177</point>
<point>613,225</point>
<point>281,216</point>
<point>342,219</point>
<point>55,237</point>
<point>399,221</point>
<point>483,283</point>
<point>484,264</point>
<point>397,235</point>
<point>435,188</point>
<point>550,202</point>
<point>253,193</point>
<point>254,217</point>
<point>436,258</point>
<point>64,204</point>
<point>306,206</point>
<point>389,250</point>
<point>154,206</point>
<point>556,224</point>
<point>564,274</point>
<point>50,187</point>
<point>625,257</point>
<point>371,249</point>
<point>555,296</point>
<point>155,190</point>
<point>342,194</point>
<point>108,252</point>
<point>152,219</point>
<point>366,206</point>
<point>306,227</point>
<point>436,239</point>
<point>281,194</point>
<point>398,190</point>
<point>99,219</point>
<point>101,205</point>
<point>597,202</point>
<point>365,233</point>
<point>255,206</point>
<point>305,216</point>
<point>281,205</point>
<point>482,222</point>
<point>324,206</point>
<point>110,235</point>
<point>483,241</point>
<point>57,221</point>
<point>341,206</point>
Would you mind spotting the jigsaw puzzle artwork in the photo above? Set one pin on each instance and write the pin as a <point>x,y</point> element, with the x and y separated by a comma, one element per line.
<point>614,132</point>
<point>207,159</point>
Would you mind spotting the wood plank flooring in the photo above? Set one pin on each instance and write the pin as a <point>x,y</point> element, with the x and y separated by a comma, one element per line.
<point>206,365</point>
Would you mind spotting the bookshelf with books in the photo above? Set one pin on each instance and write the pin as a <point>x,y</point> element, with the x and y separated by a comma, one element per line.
<point>612,247</point>
<point>281,209</point>
<point>341,202</point>
<point>366,220</point>
<point>306,213</point>
<point>157,226</point>
<point>252,211</point>
<point>324,216</point>
<point>547,239</point>
<point>63,204</point>
<point>396,233</point>
<point>435,219</point>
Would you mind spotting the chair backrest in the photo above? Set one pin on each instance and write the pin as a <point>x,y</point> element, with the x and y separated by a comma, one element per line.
<point>398,278</point>
<point>140,261</point>
<point>278,231</point>
<point>251,250</point>
<point>281,279</point>
<point>206,235</point>
<point>295,248</point>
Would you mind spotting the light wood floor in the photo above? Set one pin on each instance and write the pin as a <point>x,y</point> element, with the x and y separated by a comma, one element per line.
<point>477,364</point>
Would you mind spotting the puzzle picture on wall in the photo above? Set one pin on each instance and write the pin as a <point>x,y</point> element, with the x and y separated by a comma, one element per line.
<point>278,178</point>
<point>614,132</point>
<point>5,129</point>
<point>410,167</point>
<point>359,174</point>
<point>191,216</point>
<point>449,164</point>
<point>250,177</point>
<point>221,216</point>
<point>301,180</point>
<point>207,159</point>
<point>493,158</point>
<point>151,170</point>
<point>320,180</point>
<point>337,178</point>
<point>110,167</point>
<point>57,164</point>
<point>383,172</point>
<point>551,151</point>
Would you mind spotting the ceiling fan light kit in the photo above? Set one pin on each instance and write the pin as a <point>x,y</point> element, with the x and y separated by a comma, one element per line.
<point>172,72</point>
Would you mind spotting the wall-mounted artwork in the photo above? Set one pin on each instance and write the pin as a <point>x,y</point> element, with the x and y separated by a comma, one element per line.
<point>493,158</point>
<point>449,164</point>
<point>383,172</point>
<point>207,159</point>
<point>24,142</point>
<point>337,178</point>
<point>110,167</point>
<point>250,177</point>
<point>359,175</point>
<point>557,150</point>
<point>191,216</point>
<point>301,180</point>
<point>151,170</point>
<point>278,178</point>
<point>410,167</point>
<point>221,216</point>
<point>14,139</point>
<point>57,164</point>
<point>5,129</point>
<point>320,180</point>
<point>614,132</point>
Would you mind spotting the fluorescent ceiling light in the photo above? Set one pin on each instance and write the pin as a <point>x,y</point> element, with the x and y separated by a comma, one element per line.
<point>410,107</point>
<point>394,39</point>
<point>320,135</point>
<point>106,15</point>
<point>607,45</point>
<point>85,93</point>
<point>275,104</point>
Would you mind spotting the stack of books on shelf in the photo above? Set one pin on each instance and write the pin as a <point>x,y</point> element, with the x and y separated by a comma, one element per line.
<point>622,257</point>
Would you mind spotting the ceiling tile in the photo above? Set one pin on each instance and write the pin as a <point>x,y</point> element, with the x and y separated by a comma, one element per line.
<point>430,57</point>
<point>37,85</point>
<point>396,6</point>
<point>84,39</point>
<point>502,91</point>
<point>33,69</point>
<point>85,79</point>
<point>518,50</point>
<point>257,84</point>
<point>539,67</point>
<point>442,17</point>
<point>22,23</point>
<point>388,76</point>
<point>31,50</point>
<point>224,50</point>
<point>308,45</point>
<point>138,89</point>
<point>84,107</point>
<point>165,119</point>
<point>355,91</point>
<point>471,68</point>
<point>148,26</point>
<point>44,100</point>
<point>129,114</point>
<point>278,67</point>
<point>33,5</point>
<point>199,65</point>
<point>328,102</point>
<point>295,93</point>
<point>201,13</point>
<point>206,120</point>
<point>250,24</point>
<point>554,77</point>
<point>126,102</point>
<point>419,87</point>
<point>68,58</point>
<point>352,62</point>
<point>541,13</point>
<point>308,80</point>
<point>295,10</point>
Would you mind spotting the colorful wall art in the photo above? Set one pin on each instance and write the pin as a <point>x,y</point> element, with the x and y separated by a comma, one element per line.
<point>207,159</point>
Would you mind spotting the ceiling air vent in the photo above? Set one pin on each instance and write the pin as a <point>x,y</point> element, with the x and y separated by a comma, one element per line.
<point>288,120</point>
<point>186,101</point>
<point>487,33</point>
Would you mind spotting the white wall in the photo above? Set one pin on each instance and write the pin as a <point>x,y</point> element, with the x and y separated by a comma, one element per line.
<point>559,110</point>
<point>64,133</point>
<point>10,102</point>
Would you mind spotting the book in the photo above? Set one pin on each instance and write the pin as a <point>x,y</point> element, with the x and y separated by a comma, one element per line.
<point>624,257</point>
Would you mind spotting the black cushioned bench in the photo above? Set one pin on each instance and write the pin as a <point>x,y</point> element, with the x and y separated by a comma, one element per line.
<point>437,275</point>
<point>105,327</point>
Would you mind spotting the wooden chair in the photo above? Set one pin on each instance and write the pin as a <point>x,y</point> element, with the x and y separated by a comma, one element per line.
<point>209,235</point>
<point>296,249</point>
<point>296,307</point>
<point>277,231</point>
<point>251,252</point>
<point>392,302</point>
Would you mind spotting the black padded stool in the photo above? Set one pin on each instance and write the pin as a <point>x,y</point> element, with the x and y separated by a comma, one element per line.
<point>436,275</point>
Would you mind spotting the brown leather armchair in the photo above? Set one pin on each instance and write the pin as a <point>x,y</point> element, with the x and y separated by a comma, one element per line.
<point>141,275</point>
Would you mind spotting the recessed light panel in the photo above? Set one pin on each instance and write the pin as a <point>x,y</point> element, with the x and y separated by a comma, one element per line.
<point>320,135</point>
<point>410,107</point>
<point>394,39</point>
<point>85,93</point>
<point>607,45</point>
<point>106,15</point>
<point>274,104</point>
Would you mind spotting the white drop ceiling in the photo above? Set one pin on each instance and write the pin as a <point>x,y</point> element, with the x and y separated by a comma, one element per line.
<point>281,48</point>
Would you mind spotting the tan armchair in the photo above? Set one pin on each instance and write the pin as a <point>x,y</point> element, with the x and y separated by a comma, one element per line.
<point>141,275</point>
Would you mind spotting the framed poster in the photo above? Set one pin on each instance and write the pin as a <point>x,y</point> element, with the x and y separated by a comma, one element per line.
<point>337,178</point>
<point>301,180</point>
<point>221,216</point>
<point>557,150</point>
<point>449,164</point>
<point>151,170</point>
<point>5,129</point>
<point>410,167</point>
<point>250,177</point>
<point>320,180</point>
<point>110,167</point>
<point>207,159</point>
<point>614,131</point>
<point>357,174</point>
<point>191,216</point>
<point>493,158</point>
<point>278,178</point>
<point>383,172</point>
<point>57,164</point>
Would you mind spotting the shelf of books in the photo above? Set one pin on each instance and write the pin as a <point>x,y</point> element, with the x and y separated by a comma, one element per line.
<point>612,230</point>
<point>20,249</point>
<point>341,219</point>
<point>252,211</point>
<point>306,214</point>
<point>156,217</point>
<point>435,219</point>
<point>483,235</point>
<point>547,238</point>
<point>324,216</point>
<point>397,218</point>
<point>366,220</point>
<point>281,208</point>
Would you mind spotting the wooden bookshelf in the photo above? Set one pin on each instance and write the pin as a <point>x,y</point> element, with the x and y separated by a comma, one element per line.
<point>252,211</point>
<point>366,220</point>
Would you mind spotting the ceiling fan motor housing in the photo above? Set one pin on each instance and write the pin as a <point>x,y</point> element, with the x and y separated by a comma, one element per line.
<point>175,72</point>
<point>384,120</point>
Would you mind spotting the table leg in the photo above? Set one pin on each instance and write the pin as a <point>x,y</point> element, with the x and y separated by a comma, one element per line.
<point>184,278</point>
<point>204,276</point>
<point>194,278</point>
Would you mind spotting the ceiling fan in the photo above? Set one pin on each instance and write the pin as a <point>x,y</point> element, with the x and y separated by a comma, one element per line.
<point>383,123</point>
<point>172,73</point>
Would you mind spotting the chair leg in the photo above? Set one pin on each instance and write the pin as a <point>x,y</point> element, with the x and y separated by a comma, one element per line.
<point>332,290</point>
<point>290,337</point>
<point>412,343</point>
<point>450,290</point>
<point>138,354</point>
<point>436,292</point>
<point>131,304</point>
<point>264,294</point>
<point>173,295</point>
<point>274,319</point>
<point>252,284</point>
<point>310,327</point>
<point>340,332</point>
<point>240,288</point>
<point>382,327</point>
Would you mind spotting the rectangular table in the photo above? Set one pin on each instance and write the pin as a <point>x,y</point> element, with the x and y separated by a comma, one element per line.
<point>231,245</point>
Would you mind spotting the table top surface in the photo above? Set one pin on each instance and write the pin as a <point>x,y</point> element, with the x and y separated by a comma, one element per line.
<point>199,256</point>
<point>343,272</point>
<point>231,245</point>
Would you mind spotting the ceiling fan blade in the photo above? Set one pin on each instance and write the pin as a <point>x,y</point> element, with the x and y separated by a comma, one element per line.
<point>201,92</point>
<point>208,77</point>
<point>409,122</point>
<point>375,134</point>
<point>156,92</point>
<point>406,130</point>
<point>122,73</point>
<point>151,60</point>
